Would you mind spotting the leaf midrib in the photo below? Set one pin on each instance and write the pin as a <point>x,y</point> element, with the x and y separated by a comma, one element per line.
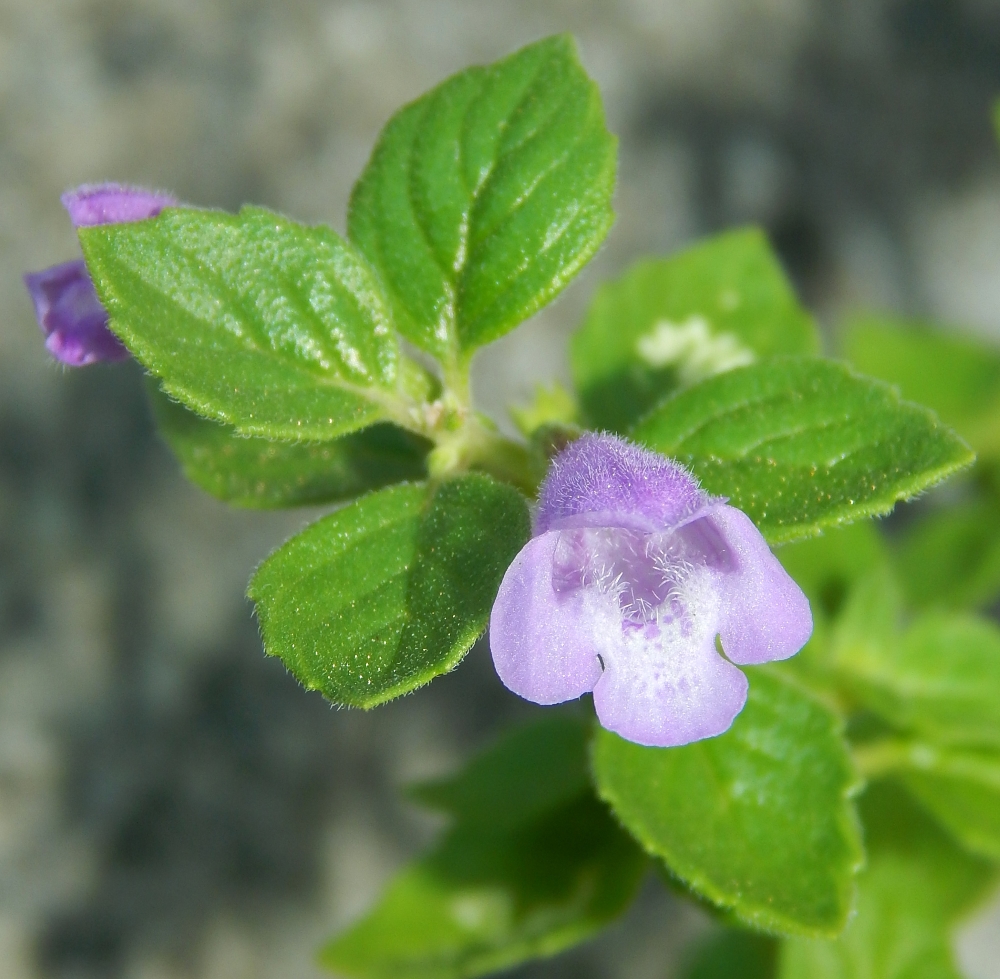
<point>258,342</point>
<point>554,164</point>
<point>742,453</point>
<point>453,277</point>
<point>748,404</point>
<point>382,397</point>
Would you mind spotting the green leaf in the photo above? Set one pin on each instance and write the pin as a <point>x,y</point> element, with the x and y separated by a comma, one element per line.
<point>800,444</point>
<point>963,792</point>
<point>732,953</point>
<point>484,197</point>
<point>951,558</point>
<point>391,591</point>
<point>673,321</point>
<point>940,679</point>
<point>532,769</point>
<point>259,473</point>
<point>758,820</point>
<point>961,789</point>
<point>510,881</point>
<point>957,376</point>
<point>276,328</point>
<point>916,883</point>
<point>870,621</point>
<point>826,567</point>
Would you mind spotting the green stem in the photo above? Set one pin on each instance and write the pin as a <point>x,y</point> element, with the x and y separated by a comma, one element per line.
<point>511,462</point>
<point>464,440</point>
<point>889,755</point>
<point>476,446</point>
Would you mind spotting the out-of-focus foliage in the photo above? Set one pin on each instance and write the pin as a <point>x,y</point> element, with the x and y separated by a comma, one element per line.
<point>670,322</point>
<point>916,884</point>
<point>533,863</point>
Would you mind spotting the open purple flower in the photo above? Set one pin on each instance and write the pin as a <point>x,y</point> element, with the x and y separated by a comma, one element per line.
<point>71,316</point>
<point>631,575</point>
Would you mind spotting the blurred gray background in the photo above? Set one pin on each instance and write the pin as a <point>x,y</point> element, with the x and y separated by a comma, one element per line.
<point>171,803</point>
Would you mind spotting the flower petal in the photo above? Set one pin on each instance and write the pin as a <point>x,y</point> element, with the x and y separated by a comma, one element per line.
<point>765,615</point>
<point>603,481</point>
<point>701,700</point>
<point>665,684</point>
<point>71,316</point>
<point>113,203</point>
<point>540,640</point>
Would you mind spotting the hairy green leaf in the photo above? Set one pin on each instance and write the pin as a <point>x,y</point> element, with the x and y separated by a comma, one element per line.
<point>260,473</point>
<point>801,444</point>
<point>392,590</point>
<point>511,881</point>
<point>916,883</point>
<point>957,376</point>
<point>278,329</point>
<point>939,679</point>
<point>484,197</point>
<point>670,322</point>
<point>758,820</point>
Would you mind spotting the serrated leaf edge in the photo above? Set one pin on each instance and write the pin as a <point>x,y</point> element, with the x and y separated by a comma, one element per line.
<point>386,404</point>
<point>851,512</point>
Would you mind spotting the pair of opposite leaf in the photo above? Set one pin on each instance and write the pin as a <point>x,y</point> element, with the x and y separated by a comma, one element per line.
<point>631,575</point>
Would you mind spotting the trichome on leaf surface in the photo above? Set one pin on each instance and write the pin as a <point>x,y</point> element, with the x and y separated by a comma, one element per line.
<point>839,807</point>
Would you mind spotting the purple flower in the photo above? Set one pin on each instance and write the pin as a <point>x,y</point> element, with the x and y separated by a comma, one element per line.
<point>71,316</point>
<point>632,573</point>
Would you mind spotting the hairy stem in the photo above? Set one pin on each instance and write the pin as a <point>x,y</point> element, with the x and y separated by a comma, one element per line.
<point>476,445</point>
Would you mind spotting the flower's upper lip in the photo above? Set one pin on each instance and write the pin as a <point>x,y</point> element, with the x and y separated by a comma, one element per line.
<point>632,521</point>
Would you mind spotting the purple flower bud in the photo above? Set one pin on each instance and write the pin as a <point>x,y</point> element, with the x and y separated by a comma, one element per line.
<point>66,305</point>
<point>632,574</point>
<point>113,204</point>
<point>71,316</point>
